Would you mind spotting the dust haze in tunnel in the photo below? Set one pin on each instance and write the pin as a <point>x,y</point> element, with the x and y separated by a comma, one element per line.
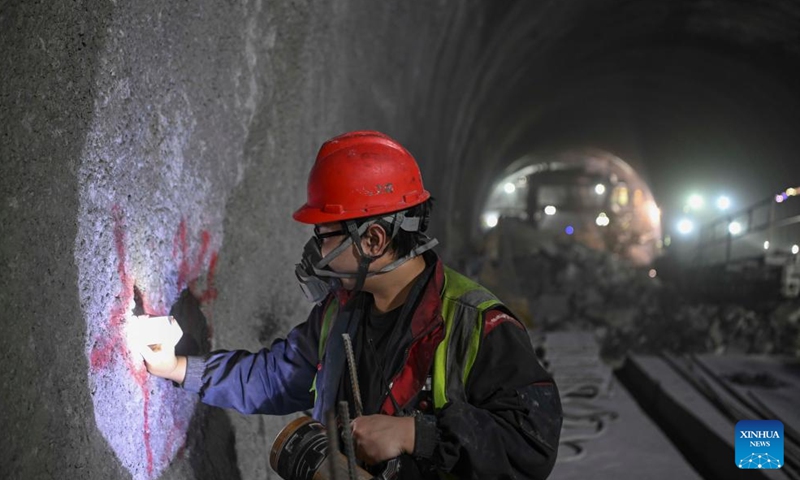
<point>692,95</point>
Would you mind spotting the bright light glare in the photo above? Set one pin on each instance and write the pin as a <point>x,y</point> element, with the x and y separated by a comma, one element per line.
<point>652,273</point>
<point>779,198</point>
<point>569,230</point>
<point>549,210</point>
<point>599,189</point>
<point>509,188</point>
<point>654,212</point>
<point>685,226</point>
<point>145,330</point>
<point>766,244</point>
<point>723,203</point>
<point>735,228</point>
<point>795,249</point>
<point>791,192</point>
<point>696,202</point>
<point>490,219</point>
<point>602,220</point>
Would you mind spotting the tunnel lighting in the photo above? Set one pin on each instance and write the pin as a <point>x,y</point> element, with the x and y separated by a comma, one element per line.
<point>723,203</point>
<point>735,228</point>
<point>602,220</point>
<point>569,230</point>
<point>549,210</point>
<point>599,189</point>
<point>509,188</point>
<point>766,244</point>
<point>652,273</point>
<point>490,219</point>
<point>795,249</point>
<point>695,202</point>
<point>685,226</point>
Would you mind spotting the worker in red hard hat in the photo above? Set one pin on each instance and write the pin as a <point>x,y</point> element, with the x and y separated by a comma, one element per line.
<point>360,180</point>
<point>447,381</point>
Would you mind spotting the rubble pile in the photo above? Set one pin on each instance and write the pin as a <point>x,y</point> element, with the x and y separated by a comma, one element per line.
<point>556,284</point>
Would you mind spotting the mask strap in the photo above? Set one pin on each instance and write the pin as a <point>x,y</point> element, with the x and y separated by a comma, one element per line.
<point>365,260</point>
<point>352,238</point>
<point>419,250</point>
<point>398,219</point>
<point>334,253</point>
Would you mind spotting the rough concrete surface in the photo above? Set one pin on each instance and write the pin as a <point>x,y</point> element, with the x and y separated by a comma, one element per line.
<point>150,150</point>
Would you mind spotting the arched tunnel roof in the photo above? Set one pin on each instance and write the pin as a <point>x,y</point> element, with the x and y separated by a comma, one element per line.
<point>691,94</point>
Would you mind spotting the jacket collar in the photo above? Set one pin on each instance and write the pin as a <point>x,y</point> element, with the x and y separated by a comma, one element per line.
<point>430,303</point>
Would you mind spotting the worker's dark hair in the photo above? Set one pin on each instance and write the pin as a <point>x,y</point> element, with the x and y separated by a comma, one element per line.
<point>404,242</point>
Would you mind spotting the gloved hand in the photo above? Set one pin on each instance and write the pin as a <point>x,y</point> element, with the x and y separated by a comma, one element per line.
<point>154,338</point>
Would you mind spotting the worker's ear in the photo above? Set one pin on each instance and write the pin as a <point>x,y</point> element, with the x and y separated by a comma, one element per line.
<point>375,241</point>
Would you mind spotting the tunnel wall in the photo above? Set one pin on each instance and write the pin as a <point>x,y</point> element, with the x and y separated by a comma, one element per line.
<point>151,156</point>
<point>151,150</point>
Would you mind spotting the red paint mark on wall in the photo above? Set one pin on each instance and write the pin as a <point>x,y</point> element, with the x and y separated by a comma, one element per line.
<point>112,345</point>
<point>107,348</point>
<point>190,268</point>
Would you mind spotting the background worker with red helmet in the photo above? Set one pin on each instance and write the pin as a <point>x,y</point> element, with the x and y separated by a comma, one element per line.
<point>447,377</point>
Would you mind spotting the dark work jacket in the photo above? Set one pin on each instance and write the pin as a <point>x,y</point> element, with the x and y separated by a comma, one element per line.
<point>508,427</point>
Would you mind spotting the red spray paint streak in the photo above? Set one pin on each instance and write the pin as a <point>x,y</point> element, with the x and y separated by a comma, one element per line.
<point>189,270</point>
<point>112,346</point>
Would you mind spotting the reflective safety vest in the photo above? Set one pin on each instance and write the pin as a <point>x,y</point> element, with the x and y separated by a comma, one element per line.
<point>464,303</point>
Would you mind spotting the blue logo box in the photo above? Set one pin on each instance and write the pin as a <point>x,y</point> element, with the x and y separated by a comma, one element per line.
<point>759,444</point>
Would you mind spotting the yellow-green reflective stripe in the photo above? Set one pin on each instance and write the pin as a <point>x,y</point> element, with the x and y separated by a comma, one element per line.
<point>330,312</point>
<point>475,341</point>
<point>456,287</point>
<point>332,308</point>
<point>439,367</point>
<point>440,356</point>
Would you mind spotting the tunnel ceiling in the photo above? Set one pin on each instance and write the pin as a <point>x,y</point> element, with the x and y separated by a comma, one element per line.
<point>688,92</point>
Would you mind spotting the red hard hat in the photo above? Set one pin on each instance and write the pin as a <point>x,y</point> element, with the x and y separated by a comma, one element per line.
<point>361,174</point>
